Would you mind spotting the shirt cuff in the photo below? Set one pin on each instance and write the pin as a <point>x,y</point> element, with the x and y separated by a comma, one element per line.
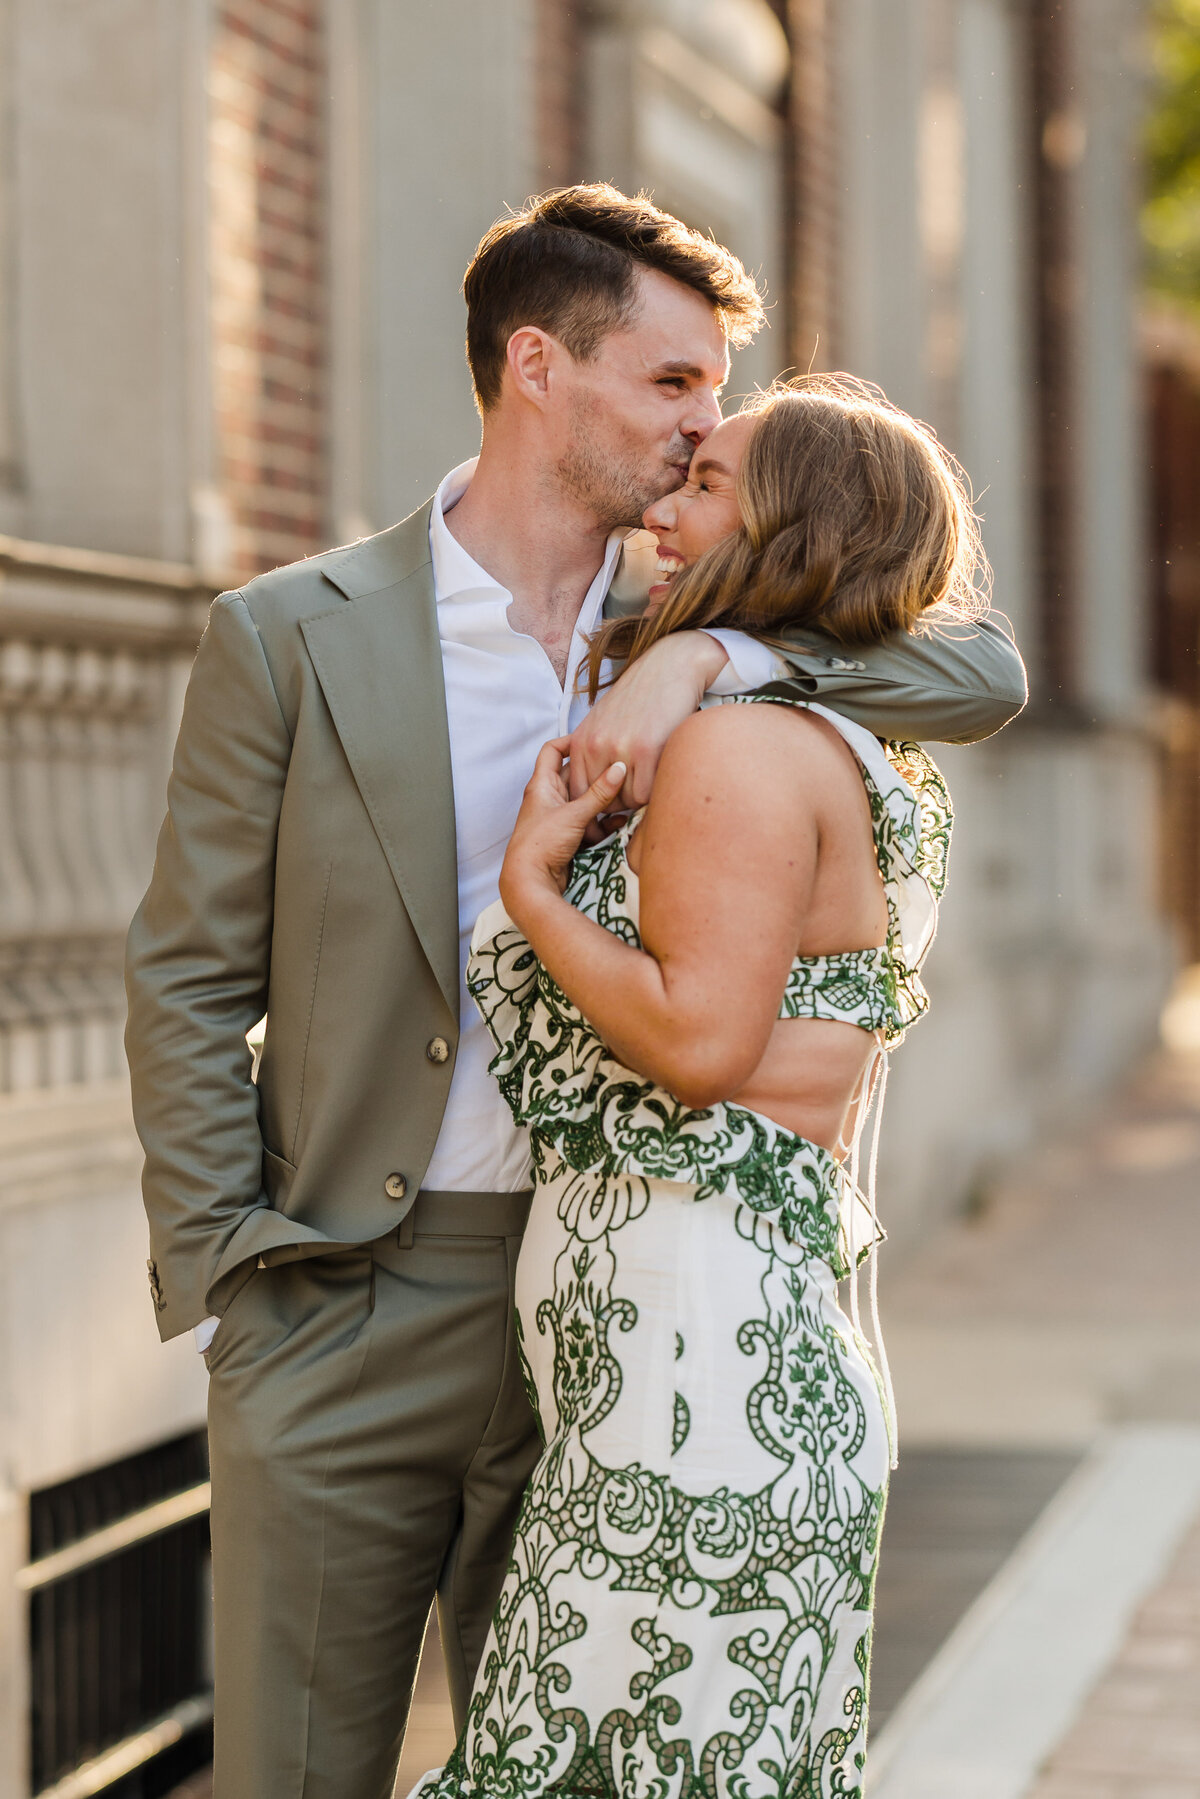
<point>204,1333</point>
<point>751,664</point>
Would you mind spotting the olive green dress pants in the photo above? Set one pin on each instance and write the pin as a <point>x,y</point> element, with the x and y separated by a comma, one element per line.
<point>370,1439</point>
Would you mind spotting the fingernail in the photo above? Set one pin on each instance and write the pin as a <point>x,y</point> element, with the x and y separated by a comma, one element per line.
<point>617,772</point>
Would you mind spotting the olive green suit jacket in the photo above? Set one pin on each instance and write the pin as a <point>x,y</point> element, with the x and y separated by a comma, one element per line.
<point>307,869</point>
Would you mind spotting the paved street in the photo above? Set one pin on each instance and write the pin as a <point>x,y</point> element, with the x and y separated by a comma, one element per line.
<point>430,1731</point>
<point>955,1515</point>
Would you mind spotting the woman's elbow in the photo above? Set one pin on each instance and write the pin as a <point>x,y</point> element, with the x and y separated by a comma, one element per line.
<point>704,1073</point>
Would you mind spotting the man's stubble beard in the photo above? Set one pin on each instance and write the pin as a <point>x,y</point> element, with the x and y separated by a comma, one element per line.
<point>616,492</point>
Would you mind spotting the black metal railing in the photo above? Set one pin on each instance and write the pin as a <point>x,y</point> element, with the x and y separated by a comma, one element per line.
<point>120,1682</point>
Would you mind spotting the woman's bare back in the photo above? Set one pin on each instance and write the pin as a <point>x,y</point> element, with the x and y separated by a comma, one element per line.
<point>811,1069</point>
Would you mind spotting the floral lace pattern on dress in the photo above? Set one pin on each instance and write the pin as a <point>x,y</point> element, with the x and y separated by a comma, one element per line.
<point>601,1118</point>
<point>687,1608</point>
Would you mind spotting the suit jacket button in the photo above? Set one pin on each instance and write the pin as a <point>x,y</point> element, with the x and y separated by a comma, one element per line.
<point>395,1186</point>
<point>437,1049</point>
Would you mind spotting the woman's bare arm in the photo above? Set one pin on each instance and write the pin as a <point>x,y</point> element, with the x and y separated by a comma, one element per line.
<point>728,856</point>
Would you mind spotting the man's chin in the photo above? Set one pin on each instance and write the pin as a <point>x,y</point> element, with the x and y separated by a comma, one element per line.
<point>672,480</point>
<point>631,518</point>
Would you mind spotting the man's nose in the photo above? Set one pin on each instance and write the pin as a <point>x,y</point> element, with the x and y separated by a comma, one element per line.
<point>703,416</point>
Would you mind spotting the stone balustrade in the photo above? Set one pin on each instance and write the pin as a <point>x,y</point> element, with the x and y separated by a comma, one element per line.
<point>94,655</point>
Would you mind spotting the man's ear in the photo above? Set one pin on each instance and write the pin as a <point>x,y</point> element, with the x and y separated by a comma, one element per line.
<point>531,355</point>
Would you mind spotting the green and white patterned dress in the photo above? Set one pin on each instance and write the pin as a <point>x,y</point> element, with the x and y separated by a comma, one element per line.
<point>687,1610</point>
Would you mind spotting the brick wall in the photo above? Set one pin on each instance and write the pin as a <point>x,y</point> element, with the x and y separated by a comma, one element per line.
<point>558,87</point>
<point>268,277</point>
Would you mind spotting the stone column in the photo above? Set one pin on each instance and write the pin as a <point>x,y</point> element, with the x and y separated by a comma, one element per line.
<point>1113,624</point>
<point>451,142</point>
<point>881,301</point>
<point>683,99</point>
<point>100,612</point>
<point>94,323</point>
<point>996,434</point>
<point>814,187</point>
<point>1059,133</point>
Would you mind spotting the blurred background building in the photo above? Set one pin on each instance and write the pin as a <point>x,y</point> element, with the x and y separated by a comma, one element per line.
<point>231,239</point>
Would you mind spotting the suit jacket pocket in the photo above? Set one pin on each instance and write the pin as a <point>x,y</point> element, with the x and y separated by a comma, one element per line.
<point>226,1330</point>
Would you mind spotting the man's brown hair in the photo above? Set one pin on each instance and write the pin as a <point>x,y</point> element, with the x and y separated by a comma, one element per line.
<point>568,263</point>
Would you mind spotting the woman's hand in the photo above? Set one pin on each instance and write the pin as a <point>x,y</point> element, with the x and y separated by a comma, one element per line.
<point>550,826</point>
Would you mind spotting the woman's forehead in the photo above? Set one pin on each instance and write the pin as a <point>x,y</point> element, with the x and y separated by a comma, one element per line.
<point>725,445</point>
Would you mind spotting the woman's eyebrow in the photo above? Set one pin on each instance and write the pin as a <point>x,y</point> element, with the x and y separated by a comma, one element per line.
<point>707,465</point>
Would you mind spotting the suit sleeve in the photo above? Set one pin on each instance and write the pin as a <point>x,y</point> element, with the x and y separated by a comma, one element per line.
<point>197,963</point>
<point>957,684</point>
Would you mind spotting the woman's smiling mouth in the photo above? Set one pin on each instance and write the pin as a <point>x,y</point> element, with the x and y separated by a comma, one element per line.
<point>666,568</point>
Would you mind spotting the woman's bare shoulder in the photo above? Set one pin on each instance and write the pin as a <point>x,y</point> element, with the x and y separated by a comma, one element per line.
<point>766,753</point>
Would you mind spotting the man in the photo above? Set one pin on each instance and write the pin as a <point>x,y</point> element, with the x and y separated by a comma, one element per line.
<point>357,733</point>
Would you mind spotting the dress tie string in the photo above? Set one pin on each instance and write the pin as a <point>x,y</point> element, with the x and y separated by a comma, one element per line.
<point>869,1103</point>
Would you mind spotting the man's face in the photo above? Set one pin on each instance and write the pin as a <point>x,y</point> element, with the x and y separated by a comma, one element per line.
<point>632,417</point>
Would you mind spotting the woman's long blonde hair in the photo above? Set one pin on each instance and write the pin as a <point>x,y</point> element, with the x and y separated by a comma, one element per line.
<point>853,520</point>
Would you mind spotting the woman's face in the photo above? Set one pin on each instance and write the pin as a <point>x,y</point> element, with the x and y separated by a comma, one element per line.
<point>699,514</point>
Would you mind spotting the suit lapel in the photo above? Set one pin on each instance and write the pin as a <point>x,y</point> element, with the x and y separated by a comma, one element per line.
<point>379,662</point>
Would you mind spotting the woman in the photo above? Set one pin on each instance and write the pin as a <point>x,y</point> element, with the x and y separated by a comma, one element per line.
<point>689,1017</point>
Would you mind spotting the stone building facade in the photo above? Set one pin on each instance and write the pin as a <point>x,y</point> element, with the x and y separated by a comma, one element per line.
<point>231,239</point>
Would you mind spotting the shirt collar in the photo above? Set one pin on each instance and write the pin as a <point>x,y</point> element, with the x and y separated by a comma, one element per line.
<point>456,575</point>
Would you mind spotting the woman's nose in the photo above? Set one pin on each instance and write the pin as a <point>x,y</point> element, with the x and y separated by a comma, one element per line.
<point>661,515</point>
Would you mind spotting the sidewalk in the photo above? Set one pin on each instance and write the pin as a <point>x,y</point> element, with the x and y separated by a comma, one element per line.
<point>1065,1320</point>
<point>1138,1736</point>
<point>1073,1301</point>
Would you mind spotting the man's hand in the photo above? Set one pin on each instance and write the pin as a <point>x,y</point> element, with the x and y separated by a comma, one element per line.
<point>632,720</point>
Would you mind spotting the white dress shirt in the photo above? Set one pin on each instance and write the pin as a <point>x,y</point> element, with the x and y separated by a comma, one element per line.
<point>503,702</point>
